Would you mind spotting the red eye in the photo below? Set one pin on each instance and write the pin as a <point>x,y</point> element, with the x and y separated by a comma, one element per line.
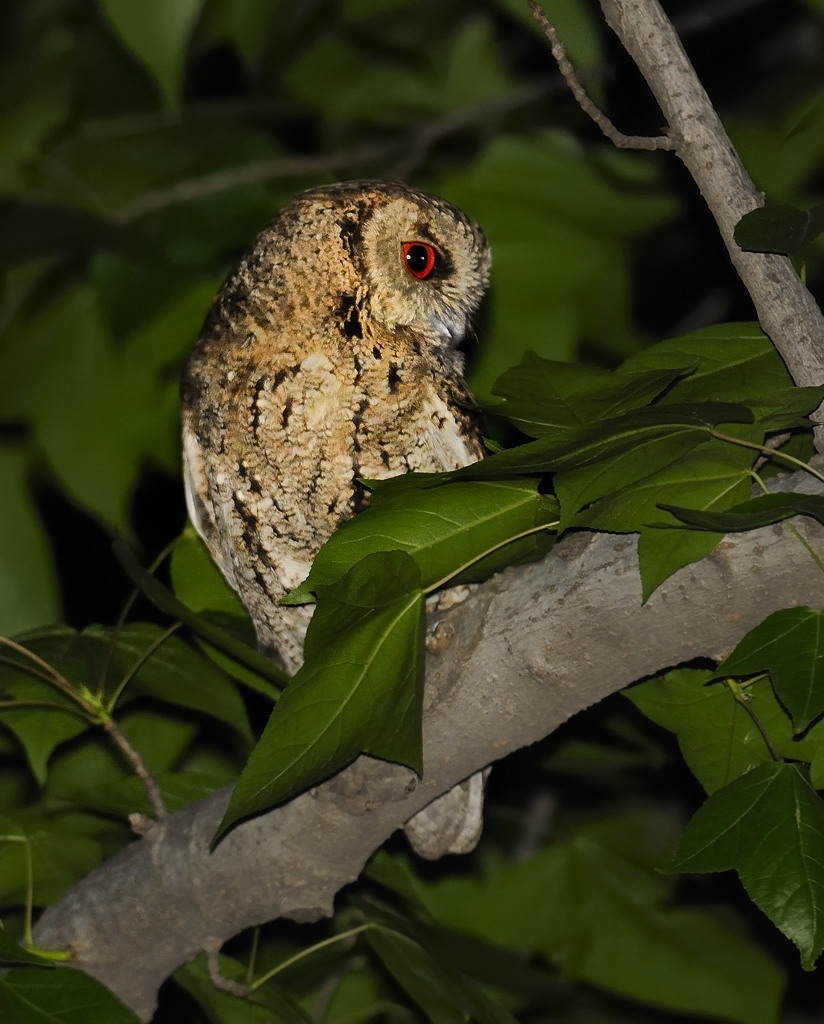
<point>419,258</point>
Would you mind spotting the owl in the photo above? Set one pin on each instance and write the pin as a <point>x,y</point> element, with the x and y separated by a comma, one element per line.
<point>330,356</point>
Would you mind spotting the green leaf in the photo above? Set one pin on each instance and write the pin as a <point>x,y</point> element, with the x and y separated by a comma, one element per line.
<point>359,690</point>
<point>544,396</point>
<point>60,856</point>
<point>123,171</point>
<point>750,515</point>
<point>721,737</point>
<point>65,996</point>
<point>173,672</point>
<point>157,32</point>
<point>357,997</point>
<point>661,554</point>
<point>781,228</point>
<point>664,433</point>
<point>473,71</point>
<point>53,718</point>
<point>364,75</point>
<point>238,653</point>
<point>787,409</point>
<point>247,26</point>
<point>625,492</point>
<point>789,644</point>
<point>718,736</point>
<point>28,121</point>
<point>26,574</point>
<point>735,360</point>
<point>611,476</point>
<point>199,583</point>
<point>769,826</point>
<point>66,349</point>
<point>94,774</point>
<point>713,476</point>
<point>35,231</point>
<point>444,995</point>
<point>97,660</point>
<point>458,952</point>
<point>444,528</point>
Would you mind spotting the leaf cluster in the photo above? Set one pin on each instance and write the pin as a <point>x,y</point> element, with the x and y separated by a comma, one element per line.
<point>752,733</point>
<point>617,444</point>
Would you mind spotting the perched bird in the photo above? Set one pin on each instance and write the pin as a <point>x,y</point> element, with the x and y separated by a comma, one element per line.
<point>330,355</point>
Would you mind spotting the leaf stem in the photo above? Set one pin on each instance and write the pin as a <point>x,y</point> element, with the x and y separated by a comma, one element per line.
<point>81,711</point>
<point>139,662</point>
<point>307,952</point>
<point>140,767</point>
<point>121,620</point>
<point>743,699</point>
<point>489,551</point>
<point>166,601</point>
<point>769,452</point>
<point>55,955</point>
<point>51,674</point>
<point>250,967</point>
<point>793,529</point>
<point>29,869</point>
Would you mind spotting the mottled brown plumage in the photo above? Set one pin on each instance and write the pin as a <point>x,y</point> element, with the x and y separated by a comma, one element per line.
<point>329,355</point>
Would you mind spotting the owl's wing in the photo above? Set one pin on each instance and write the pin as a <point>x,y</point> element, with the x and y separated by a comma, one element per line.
<point>200,509</point>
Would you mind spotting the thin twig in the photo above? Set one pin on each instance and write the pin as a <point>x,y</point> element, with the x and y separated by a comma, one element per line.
<point>248,174</point>
<point>407,150</point>
<point>616,137</point>
<point>141,769</point>
<point>219,980</point>
<point>418,146</point>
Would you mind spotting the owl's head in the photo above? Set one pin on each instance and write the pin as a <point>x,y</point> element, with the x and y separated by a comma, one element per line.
<point>422,263</point>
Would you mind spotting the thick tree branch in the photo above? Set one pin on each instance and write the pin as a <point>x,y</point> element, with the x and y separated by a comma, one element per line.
<point>528,649</point>
<point>786,310</point>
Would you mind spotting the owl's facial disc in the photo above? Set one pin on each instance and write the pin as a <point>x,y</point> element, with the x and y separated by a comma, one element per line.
<point>426,266</point>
